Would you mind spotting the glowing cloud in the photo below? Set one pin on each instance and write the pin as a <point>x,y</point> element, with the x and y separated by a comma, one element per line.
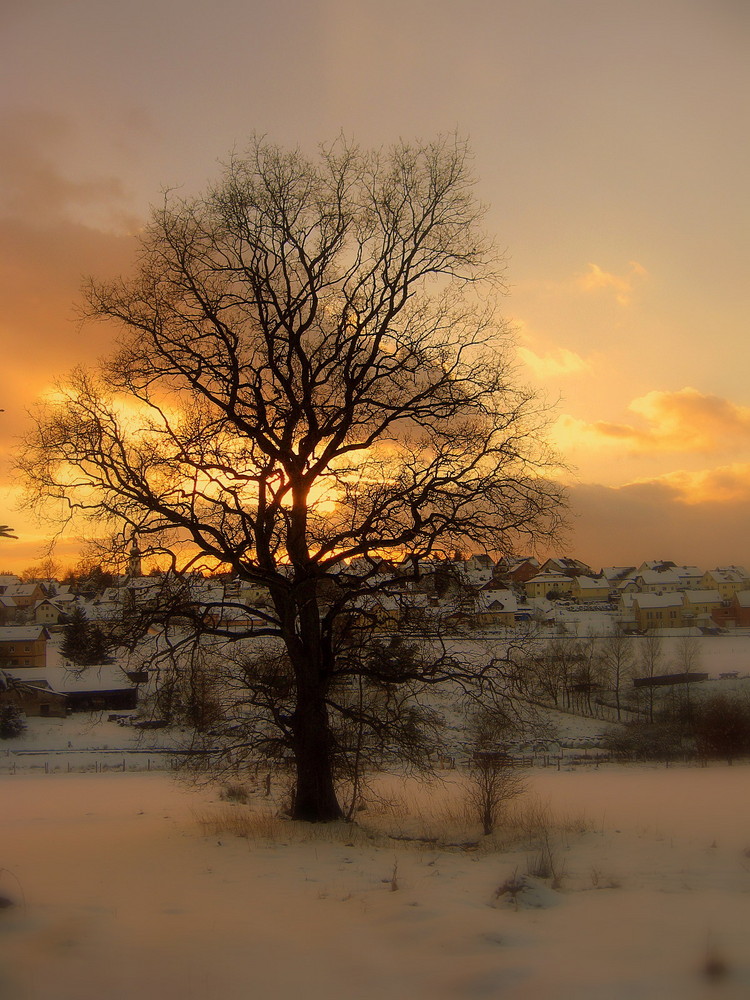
<point>596,279</point>
<point>555,364</point>
<point>683,421</point>
<point>729,484</point>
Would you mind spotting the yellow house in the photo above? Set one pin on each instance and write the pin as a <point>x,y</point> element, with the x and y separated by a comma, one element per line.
<point>655,611</point>
<point>698,604</point>
<point>549,583</point>
<point>496,608</point>
<point>654,582</point>
<point>728,580</point>
<point>23,646</point>
<point>587,590</point>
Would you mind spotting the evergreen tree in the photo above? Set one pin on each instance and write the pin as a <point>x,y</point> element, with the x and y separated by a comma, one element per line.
<point>85,644</point>
<point>12,722</point>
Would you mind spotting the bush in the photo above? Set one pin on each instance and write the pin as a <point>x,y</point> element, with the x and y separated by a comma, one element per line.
<point>493,782</point>
<point>234,792</point>
<point>646,741</point>
<point>721,725</point>
<point>12,722</point>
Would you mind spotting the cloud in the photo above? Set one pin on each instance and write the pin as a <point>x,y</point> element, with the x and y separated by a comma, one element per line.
<point>653,520</point>
<point>53,232</point>
<point>683,421</point>
<point>596,279</point>
<point>729,484</point>
<point>554,364</point>
<point>686,422</point>
<point>33,187</point>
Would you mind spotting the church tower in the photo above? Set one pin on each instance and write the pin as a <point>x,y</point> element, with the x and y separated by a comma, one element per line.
<point>134,560</point>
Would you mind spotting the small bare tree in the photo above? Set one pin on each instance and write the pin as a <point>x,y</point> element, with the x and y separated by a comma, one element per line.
<point>618,660</point>
<point>494,778</point>
<point>688,661</point>
<point>649,662</point>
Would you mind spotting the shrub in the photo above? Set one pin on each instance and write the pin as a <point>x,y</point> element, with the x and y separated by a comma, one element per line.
<point>234,792</point>
<point>721,725</point>
<point>12,722</point>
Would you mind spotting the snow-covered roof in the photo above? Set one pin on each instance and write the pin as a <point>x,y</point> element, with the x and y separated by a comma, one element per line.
<point>22,589</point>
<point>614,574</point>
<point>688,571</point>
<point>702,596</point>
<point>107,677</point>
<point>657,600</point>
<point>591,583</point>
<point>23,633</point>
<point>652,577</point>
<point>497,600</point>
<point>728,574</point>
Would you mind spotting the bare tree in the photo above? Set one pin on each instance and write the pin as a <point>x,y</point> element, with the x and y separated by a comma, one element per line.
<point>650,660</point>
<point>617,656</point>
<point>494,777</point>
<point>688,661</point>
<point>311,376</point>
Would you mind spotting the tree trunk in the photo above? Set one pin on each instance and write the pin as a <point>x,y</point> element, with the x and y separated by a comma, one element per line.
<point>315,798</point>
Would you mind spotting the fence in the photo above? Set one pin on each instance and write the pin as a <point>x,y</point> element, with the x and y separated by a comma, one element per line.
<point>88,761</point>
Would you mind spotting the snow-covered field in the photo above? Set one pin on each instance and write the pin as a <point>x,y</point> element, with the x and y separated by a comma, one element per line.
<point>125,889</point>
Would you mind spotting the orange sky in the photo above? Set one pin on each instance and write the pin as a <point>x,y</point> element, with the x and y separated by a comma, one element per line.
<point>610,143</point>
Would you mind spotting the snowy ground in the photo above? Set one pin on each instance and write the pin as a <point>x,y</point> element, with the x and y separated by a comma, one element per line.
<point>126,887</point>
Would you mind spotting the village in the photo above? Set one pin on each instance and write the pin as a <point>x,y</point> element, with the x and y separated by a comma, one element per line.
<point>473,598</point>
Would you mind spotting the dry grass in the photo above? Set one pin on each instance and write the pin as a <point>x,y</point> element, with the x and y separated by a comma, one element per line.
<point>246,822</point>
<point>234,791</point>
<point>262,822</point>
<point>405,813</point>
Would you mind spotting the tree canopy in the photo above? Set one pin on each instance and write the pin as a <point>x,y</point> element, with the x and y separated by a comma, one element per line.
<point>311,376</point>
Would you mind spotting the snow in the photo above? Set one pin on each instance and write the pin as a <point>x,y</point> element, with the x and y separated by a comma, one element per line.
<point>126,889</point>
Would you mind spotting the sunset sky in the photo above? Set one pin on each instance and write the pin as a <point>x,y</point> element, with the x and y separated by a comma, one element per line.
<point>610,142</point>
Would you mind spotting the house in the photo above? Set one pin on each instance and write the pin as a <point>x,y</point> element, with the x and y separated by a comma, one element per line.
<point>34,699</point>
<point>48,612</point>
<point>495,608</point>
<point>589,589</point>
<point>656,566</point>
<point>649,581</point>
<point>23,646</point>
<point>735,612</point>
<point>622,589</point>
<point>689,577</point>
<point>516,570</point>
<point>90,689</point>
<point>26,595</point>
<point>655,611</point>
<point>699,605</point>
<point>479,562</point>
<point>7,609</point>
<point>616,574</point>
<point>566,567</point>
<point>549,583</point>
<point>728,580</point>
